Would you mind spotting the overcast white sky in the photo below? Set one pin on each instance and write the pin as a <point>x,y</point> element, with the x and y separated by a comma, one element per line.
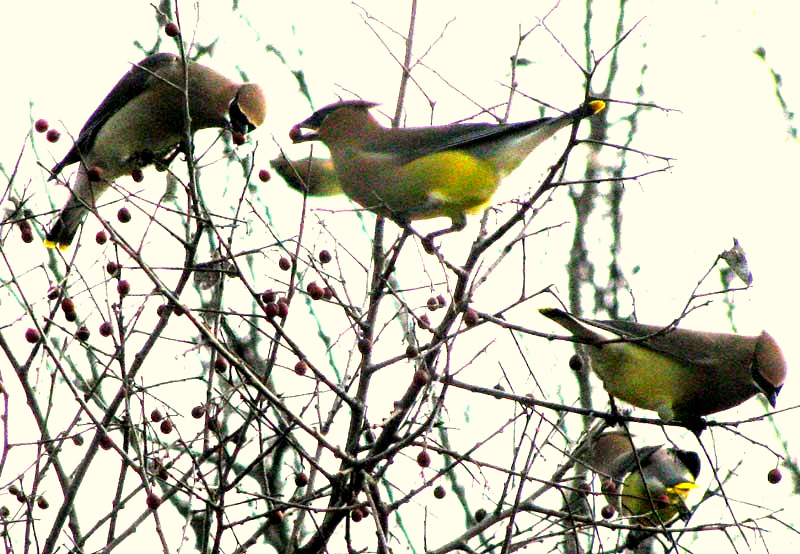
<point>735,171</point>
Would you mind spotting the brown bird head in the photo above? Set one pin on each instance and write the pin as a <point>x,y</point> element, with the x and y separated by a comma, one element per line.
<point>346,119</point>
<point>768,367</point>
<point>248,109</point>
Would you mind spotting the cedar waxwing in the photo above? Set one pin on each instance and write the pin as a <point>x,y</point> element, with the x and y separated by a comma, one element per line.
<point>667,476</point>
<point>141,121</point>
<point>313,176</point>
<point>424,172</point>
<point>678,373</point>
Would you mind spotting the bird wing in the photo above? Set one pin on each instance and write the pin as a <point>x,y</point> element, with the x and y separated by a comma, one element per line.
<point>691,348</point>
<point>480,139</point>
<point>134,83</point>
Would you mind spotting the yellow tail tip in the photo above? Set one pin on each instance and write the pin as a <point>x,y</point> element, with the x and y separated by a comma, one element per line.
<point>597,106</point>
<point>51,244</point>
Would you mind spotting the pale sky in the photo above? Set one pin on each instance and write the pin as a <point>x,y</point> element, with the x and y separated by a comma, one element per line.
<point>734,172</point>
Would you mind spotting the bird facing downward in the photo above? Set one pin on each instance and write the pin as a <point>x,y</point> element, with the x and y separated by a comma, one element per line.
<point>680,374</point>
<point>142,121</point>
<point>424,172</point>
<point>653,496</point>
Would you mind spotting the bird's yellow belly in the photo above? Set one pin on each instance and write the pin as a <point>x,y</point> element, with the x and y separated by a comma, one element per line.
<point>442,184</point>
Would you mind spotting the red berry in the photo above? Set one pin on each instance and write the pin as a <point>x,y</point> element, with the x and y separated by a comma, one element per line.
<point>439,492</point>
<point>364,346</point>
<point>284,264</point>
<point>179,310</point>
<point>264,175</point>
<point>324,256</point>
<point>421,378</point>
<point>161,310</point>
<point>32,335</point>
<point>433,304</point>
<point>77,440</point>
<point>327,293</point>
<point>137,175</point>
<point>95,174</point>
<point>480,515</point>
<point>172,30</point>
<point>106,443</point>
<point>71,316</point>
<point>52,293</point>
<point>295,133</point>
<point>575,363</point>
<point>238,138</point>
<point>301,367</point>
<point>315,291</point>
<point>112,268</point>
<point>356,515</point>
<point>271,310</point>
<point>301,479</point>
<point>53,135</point>
<point>198,411</point>
<point>124,215</point>
<point>774,476</point>
<point>423,458</point>
<point>27,236</point>
<point>42,503</point>
<point>123,288</point>
<point>106,329</point>
<point>41,125</point>
<point>275,517</point>
<point>101,237</point>
<point>82,334</point>
<point>411,351</point>
<point>608,511</point>
<point>166,426</point>
<point>68,305</point>
<point>268,296</point>
<point>283,309</point>
<point>470,317</point>
<point>220,364</point>
<point>425,322</point>
<point>155,416</point>
<point>153,501</point>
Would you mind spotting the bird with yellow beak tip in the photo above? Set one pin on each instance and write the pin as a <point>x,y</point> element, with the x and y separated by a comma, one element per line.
<point>415,173</point>
<point>649,485</point>
<point>680,374</point>
<point>142,121</point>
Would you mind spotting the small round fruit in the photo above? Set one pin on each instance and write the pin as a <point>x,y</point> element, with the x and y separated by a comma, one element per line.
<point>356,515</point>
<point>41,125</point>
<point>156,416</point>
<point>112,268</point>
<point>439,492</point>
<point>171,29</point>
<point>77,440</point>
<point>774,476</point>
<point>271,310</point>
<point>42,503</point>
<point>71,316</point>
<point>285,264</point>
<point>153,501</point>
<point>268,296</point>
<point>101,237</point>
<point>301,479</point>
<point>220,364</point>
<point>263,175</point>
<point>421,378</point>
<point>106,442</point>
<point>137,175</point>
<point>68,305</point>
<point>423,458</point>
<point>53,135</point>
<point>106,329</point>
<point>471,318</point>
<point>295,133</point>
<point>301,367</point>
<point>123,215</point>
<point>325,257</point>
<point>123,288</point>
<point>32,335</point>
<point>364,345</point>
<point>82,334</point>
<point>608,511</point>
<point>283,309</point>
<point>95,174</point>
<point>575,363</point>
<point>315,291</point>
<point>480,515</point>
<point>238,138</point>
<point>198,411</point>
<point>166,427</point>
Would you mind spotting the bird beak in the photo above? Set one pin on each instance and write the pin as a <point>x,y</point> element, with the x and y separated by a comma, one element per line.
<point>312,124</point>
